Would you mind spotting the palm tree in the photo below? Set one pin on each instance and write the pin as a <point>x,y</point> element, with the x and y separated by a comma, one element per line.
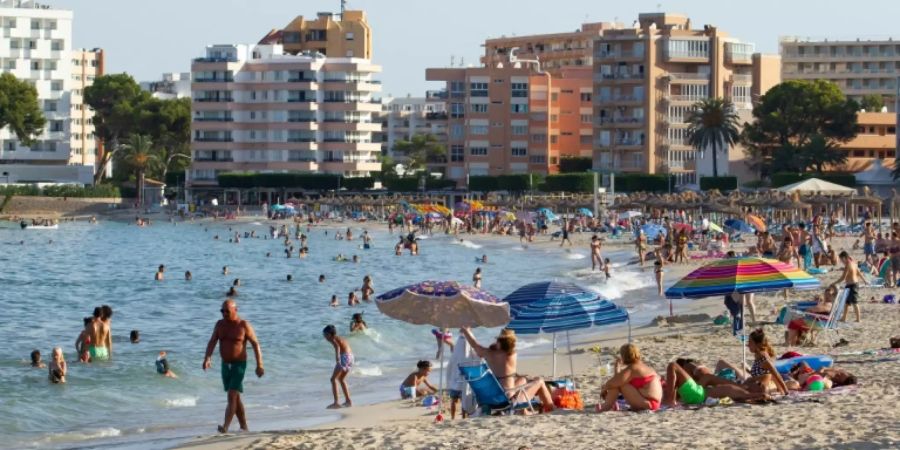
<point>713,124</point>
<point>139,155</point>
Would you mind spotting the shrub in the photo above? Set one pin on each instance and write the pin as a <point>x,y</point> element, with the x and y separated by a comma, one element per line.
<point>720,183</point>
<point>636,182</point>
<point>64,190</point>
<point>570,182</point>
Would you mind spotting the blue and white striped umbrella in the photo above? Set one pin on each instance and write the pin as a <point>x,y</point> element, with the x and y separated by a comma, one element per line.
<point>566,312</point>
<point>552,307</point>
<point>540,290</point>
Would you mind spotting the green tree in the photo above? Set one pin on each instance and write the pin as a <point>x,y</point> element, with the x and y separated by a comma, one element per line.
<point>19,109</point>
<point>713,125</point>
<point>818,153</point>
<point>421,150</point>
<point>872,103</point>
<point>790,115</point>
<point>140,156</point>
<point>388,167</point>
<point>117,101</point>
<point>168,124</point>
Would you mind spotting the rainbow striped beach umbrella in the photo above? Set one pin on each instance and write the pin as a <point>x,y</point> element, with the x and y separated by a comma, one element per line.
<point>742,276</point>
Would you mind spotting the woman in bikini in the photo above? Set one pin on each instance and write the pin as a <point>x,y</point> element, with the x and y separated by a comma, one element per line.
<point>763,376</point>
<point>502,358</point>
<point>636,381</point>
<point>640,244</point>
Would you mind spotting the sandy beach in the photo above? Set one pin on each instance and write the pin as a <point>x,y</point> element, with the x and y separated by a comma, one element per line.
<point>865,416</point>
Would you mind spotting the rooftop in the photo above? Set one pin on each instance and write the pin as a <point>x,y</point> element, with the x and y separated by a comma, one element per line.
<point>23,4</point>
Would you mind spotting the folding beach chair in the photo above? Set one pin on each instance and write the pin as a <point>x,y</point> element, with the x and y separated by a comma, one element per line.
<point>490,395</point>
<point>828,323</point>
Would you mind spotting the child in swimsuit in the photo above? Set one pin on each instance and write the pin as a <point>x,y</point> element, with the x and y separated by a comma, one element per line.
<point>409,388</point>
<point>57,368</point>
<point>162,366</point>
<point>343,358</point>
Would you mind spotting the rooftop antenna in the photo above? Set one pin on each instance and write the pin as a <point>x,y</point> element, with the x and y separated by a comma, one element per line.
<point>343,8</point>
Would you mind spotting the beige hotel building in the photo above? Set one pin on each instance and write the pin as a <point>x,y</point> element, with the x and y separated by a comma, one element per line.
<point>646,79</point>
<point>258,108</point>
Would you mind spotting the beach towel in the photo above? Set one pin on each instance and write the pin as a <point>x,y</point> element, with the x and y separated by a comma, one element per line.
<point>462,354</point>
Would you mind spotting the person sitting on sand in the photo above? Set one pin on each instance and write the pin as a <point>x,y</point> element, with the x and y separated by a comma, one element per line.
<point>681,385</point>
<point>502,359</point>
<point>162,366</point>
<point>409,388</point>
<point>36,360</point>
<point>636,381</point>
<point>343,362</point>
<point>357,323</point>
<point>763,376</point>
<point>57,368</point>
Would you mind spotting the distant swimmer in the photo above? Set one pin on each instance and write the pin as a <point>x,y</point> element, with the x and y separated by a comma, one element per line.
<point>232,292</point>
<point>134,336</point>
<point>290,278</point>
<point>36,361</point>
<point>57,368</point>
<point>224,270</point>
<point>188,276</point>
<point>159,272</point>
<point>352,299</point>
<point>321,278</point>
<point>237,282</point>
<point>476,278</point>
<point>357,323</point>
<point>367,289</point>
<point>334,301</point>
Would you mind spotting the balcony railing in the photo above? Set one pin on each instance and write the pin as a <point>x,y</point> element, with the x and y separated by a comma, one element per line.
<point>215,100</point>
<point>688,76</point>
<point>301,80</point>
<point>436,116</point>
<point>301,139</point>
<point>622,76</point>
<point>300,100</point>
<point>301,119</point>
<point>213,119</point>
<point>629,142</point>
<point>212,159</point>
<point>741,78</point>
<point>214,80</point>
<point>213,139</point>
<point>215,60</point>
<point>684,98</point>
<point>610,120</point>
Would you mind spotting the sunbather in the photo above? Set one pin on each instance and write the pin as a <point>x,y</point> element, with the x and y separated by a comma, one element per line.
<point>798,327</point>
<point>802,377</point>
<point>681,384</point>
<point>763,376</point>
<point>501,357</point>
<point>635,380</point>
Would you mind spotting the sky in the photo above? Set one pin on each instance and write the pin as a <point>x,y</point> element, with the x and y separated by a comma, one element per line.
<point>148,37</point>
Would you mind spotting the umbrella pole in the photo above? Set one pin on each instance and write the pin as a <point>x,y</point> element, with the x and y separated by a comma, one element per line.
<point>571,364</point>
<point>554,355</point>
<point>441,402</point>
<point>743,337</point>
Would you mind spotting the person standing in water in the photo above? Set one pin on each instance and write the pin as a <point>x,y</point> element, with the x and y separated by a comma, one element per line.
<point>565,234</point>
<point>160,272</point>
<point>476,278</point>
<point>232,334</point>
<point>100,348</point>
<point>596,257</point>
<point>343,362</point>
<point>367,289</point>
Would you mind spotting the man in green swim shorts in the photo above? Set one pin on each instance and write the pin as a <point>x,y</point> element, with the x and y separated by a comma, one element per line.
<point>232,334</point>
<point>681,385</point>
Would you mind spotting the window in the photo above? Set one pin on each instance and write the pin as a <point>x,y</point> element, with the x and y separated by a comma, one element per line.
<point>32,45</point>
<point>457,131</point>
<point>291,37</point>
<point>35,65</point>
<point>10,23</point>
<point>585,96</point>
<point>56,125</point>
<point>316,35</point>
<point>554,96</point>
<point>14,44</point>
<point>457,153</point>
<point>537,159</point>
<point>554,139</point>
<point>479,107</point>
<point>9,146</point>
<point>56,85</point>
<point>585,118</point>
<point>478,151</point>
<point>457,89</point>
<point>539,138</point>
<point>457,110</point>
<point>519,130</point>
<point>478,89</point>
<point>349,36</point>
<point>10,64</point>
<point>554,118</point>
<point>35,24</point>
<point>519,151</point>
<point>478,129</point>
<point>519,89</point>
<point>349,53</point>
<point>519,108</point>
<point>585,139</point>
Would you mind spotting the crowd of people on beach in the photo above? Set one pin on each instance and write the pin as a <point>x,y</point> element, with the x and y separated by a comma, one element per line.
<point>633,382</point>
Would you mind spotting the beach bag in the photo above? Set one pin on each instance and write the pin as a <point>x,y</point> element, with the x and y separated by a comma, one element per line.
<point>567,399</point>
<point>889,299</point>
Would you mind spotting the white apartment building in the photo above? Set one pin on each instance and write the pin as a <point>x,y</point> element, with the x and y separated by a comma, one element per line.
<point>403,118</point>
<point>36,46</point>
<point>172,85</point>
<point>86,148</point>
<point>256,108</point>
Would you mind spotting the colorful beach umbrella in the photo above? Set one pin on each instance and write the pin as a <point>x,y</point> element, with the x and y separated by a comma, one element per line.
<point>716,228</point>
<point>738,225</point>
<point>756,222</point>
<point>541,290</point>
<point>445,304</point>
<point>652,230</point>
<point>742,276</point>
<point>585,212</point>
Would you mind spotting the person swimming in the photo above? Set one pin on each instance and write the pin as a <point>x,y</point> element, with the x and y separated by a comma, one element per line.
<point>135,336</point>
<point>162,366</point>
<point>357,323</point>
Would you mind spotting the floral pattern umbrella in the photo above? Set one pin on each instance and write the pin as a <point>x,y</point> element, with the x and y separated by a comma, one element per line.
<point>445,304</point>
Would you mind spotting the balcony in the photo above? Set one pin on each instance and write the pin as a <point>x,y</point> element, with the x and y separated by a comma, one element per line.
<point>677,53</point>
<point>621,76</point>
<point>212,159</point>
<point>621,99</point>
<point>629,142</point>
<point>621,121</point>
<point>624,54</point>
<point>436,116</point>
<point>301,139</point>
<point>301,80</point>
<point>213,139</point>
<point>742,79</point>
<point>687,78</point>
<point>213,119</point>
<point>216,60</point>
<point>677,98</point>
<point>215,100</point>
<point>300,100</point>
<point>214,80</point>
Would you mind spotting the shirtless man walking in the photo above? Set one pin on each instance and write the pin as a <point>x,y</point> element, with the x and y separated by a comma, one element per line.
<point>233,333</point>
<point>851,278</point>
<point>869,244</point>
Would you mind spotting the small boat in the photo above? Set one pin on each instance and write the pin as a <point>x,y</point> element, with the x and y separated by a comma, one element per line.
<point>41,227</point>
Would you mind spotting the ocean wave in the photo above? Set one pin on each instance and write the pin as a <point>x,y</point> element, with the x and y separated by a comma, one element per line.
<point>575,256</point>
<point>82,435</point>
<point>181,402</point>
<point>467,244</point>
<point>373,371</point>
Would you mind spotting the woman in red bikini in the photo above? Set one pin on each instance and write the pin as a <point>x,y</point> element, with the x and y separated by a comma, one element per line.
<point>636,381</point>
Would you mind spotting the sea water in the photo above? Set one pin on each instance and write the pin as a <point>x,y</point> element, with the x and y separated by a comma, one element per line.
<point>51,279</point>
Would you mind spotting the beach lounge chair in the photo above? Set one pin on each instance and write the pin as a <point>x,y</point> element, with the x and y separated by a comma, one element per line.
<point>827,323</point>
<point>489,393</point>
